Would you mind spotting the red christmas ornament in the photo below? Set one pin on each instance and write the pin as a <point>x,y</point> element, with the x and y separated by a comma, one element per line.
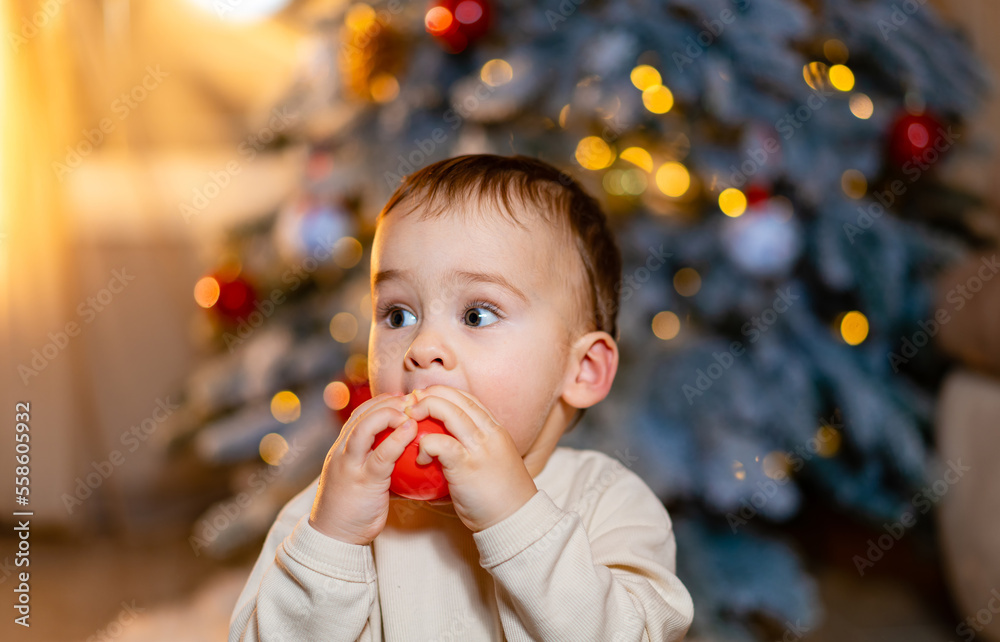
<point>457,23</point>
<point>916,139</point>
<point>236,298</point>
<point>410,479</point>
<point>757,194</point>
<point>358,393</point>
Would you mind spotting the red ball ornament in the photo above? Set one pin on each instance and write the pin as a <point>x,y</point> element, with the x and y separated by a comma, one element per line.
<point>757,194</point>
<point>457,23</point>
<point>916,139</point>
<point>236,298</point>
<point>412,480</point>
<point>358,393</point>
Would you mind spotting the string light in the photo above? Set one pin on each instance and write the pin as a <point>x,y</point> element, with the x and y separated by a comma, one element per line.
<point>563,115</point>
<point>673,179</point>
<point>285,406</point>
<point>347,252</point>
<point>658,99</point>
<point>613,182</point>
<point>438,21</point>
<point>496,72</point>
<point>835,51</point>
<point>841,77</point>
<point>687,282</point>
<point>644,77</point>
<point>206,291</point>
<point>634,182</point>
<point>336,395</point>
<point>816,74</point>
<point>273,448</point>
<point>861,105</point>
<point>828,441</point>
<point>638,157</point>
<point>854,183</point>
<point>854,327</point>
<point>384,88</point>
<point>666,325</point>
<point>776,465</point>
<point>593,153</point>
<point>344,327</point>
<point>732,202</point>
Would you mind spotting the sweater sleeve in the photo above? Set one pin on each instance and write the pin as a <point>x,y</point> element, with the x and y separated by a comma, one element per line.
<point>307,586</point>
<point>613,580</point>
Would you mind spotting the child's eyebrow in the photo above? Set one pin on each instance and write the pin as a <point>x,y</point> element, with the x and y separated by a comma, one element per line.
<point>463,275</point>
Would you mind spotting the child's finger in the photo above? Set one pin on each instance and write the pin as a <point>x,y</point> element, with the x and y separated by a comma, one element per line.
<point>455,419</point>
<point>447,449</point>
<point>361,439</point>
<point>382,460</point>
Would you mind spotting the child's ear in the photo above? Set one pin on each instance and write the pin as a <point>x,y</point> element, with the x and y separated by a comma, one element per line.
<point>593,363</point>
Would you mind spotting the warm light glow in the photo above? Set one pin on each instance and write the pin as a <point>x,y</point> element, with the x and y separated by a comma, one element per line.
<point>612,182</point>
<point>638,157</point>
<point>273,448</point>
<point>366,306</point>
<point>634,182</point>
<point>687,282</point>
<point>359,16</point>
<point>644,77</point>
<point>658,99</point>
<point>666,325</point>
<point>816,75</point>
<point>336,395</point>
<point>344,327</point>
<point>739,472</point>
<point>835,51</point>
<point>206,291</point>
<point>673,179</point>
<point>593,153</point>
<point>563,115</point>
<point>357,367</point>
<point>776,465</point>
<point>285,407</point>
<point>438,21</point>
<point>496,72</point>
<point>842,78</point>
<point>854,183</point>
<point>245,11</point>
<point>384,88</point>
<point>732,202</point>
<point>854,327</point>
<point>827,441</point>
<point>347,252</point>
<point>862,106</point>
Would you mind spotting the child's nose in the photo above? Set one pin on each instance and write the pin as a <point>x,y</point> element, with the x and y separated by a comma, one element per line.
<point>428,348</point>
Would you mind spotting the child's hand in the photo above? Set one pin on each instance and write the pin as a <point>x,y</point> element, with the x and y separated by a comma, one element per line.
<point>352,503</point>
<point>487,479</point>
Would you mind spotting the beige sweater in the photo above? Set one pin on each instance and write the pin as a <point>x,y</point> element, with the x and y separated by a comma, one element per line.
<point>590,557</point>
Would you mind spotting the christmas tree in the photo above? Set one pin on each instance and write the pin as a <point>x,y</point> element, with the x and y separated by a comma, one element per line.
<point>772,170</point>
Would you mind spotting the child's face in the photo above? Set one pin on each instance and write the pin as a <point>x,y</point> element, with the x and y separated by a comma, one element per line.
<point>480,304</point>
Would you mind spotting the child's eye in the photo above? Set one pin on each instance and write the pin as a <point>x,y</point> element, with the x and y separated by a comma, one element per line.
<point>399,318</point>
<point>480,316</point>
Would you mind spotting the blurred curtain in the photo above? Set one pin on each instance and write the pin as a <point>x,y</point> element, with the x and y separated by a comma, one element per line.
<point>40,108</point>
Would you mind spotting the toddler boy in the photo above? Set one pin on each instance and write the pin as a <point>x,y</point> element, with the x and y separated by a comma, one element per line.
<point>494,288</point>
